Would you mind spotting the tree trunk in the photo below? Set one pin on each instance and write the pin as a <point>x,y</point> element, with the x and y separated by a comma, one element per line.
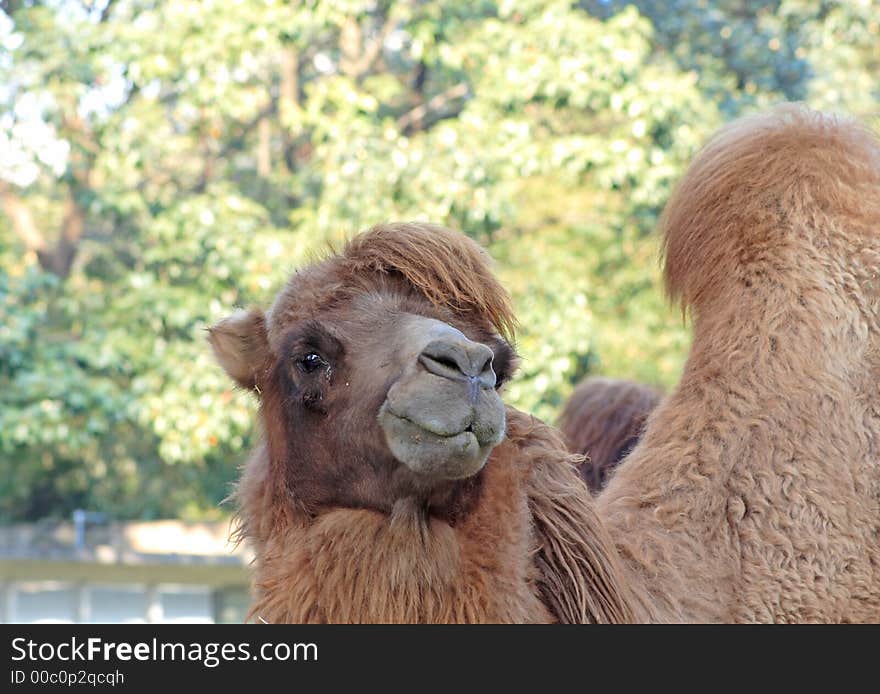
<point>264,147</point>
<point>59,258</point>
<point>289,103</point>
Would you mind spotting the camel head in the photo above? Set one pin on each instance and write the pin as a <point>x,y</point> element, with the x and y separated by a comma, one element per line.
<point>378,371</point>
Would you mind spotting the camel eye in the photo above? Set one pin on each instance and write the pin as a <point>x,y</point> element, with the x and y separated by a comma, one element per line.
<point>311,362</point>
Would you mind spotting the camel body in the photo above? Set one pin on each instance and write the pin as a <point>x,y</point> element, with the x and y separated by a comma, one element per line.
<point>754,495</point>
<point>383,491</point>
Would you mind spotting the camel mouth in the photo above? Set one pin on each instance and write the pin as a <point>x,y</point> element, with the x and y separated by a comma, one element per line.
<point>433,449</point>
<point>432,428</point>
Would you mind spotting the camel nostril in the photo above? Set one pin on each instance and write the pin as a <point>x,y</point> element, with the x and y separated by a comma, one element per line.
<point>458,358</point>
<point>444,362</point>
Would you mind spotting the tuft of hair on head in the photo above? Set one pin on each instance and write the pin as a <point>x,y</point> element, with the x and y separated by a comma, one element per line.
<point>447,267</point>
<point>603,420</point>
<point>754,176</point>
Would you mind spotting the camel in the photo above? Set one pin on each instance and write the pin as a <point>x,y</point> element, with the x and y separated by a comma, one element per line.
<point>754,493</point>
<point>391,483</point>
<point>603,420</point>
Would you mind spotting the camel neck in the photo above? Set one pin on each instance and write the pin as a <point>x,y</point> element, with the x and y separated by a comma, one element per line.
<point>358,565</point>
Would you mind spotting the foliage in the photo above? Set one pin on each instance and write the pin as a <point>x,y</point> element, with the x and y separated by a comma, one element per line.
<point>164,162</point>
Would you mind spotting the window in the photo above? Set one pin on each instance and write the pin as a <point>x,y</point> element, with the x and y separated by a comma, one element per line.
<point>232,605</point>
<point>189,604</point>
<point>46,601</point>
<point>68,602</point>
<point>116,604</point>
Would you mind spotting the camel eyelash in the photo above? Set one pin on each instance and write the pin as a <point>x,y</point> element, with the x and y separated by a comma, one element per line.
<point>504,363</point>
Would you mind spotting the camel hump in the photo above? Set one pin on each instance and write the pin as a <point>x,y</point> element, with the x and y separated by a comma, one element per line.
<point>760,177</point>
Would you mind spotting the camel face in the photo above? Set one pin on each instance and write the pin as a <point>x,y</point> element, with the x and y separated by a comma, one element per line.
<point>394,398</point>
<point>371,391</point>
<point>443,416</point>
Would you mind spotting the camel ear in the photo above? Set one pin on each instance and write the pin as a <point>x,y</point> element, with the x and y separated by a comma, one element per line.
<point>241,345</point>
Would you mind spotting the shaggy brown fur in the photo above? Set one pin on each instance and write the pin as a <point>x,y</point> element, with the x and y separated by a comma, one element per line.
<point>424,261</point>
<point>521,554</point>
<point>341,533</point>
<point>603,420</point>
<point>754,494</point>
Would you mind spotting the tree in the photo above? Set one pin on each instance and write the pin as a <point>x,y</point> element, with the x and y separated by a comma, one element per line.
<point>164,162</point>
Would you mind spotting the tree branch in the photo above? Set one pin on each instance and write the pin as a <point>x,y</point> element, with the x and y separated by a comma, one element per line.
<point>374,50</point>
<point>73,226</point>
<point>58,259</point>
<point>289,90</point>
<point>10,6</point>
<point>22,219</point>
<point>105,13</point>
<point>231,144</point>
<point>356,60</point>
<point>351,39</point>
<point>415,119</point>
<point>288,100</point>
<point>264,148</point>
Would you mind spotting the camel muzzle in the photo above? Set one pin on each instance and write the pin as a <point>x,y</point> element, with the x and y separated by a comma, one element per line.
<point>443,416</point>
